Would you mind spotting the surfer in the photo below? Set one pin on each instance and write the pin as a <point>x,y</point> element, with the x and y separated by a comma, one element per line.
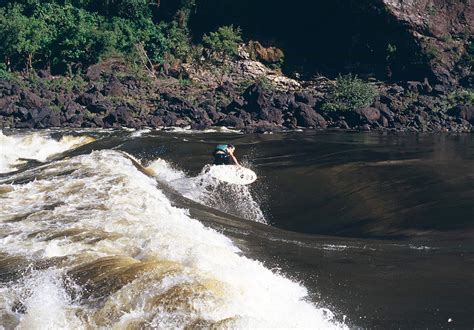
<point>223,155</point>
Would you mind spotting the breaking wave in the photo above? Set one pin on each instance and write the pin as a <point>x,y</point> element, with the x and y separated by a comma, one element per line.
<point>17,149</point>
<point>94,242</point>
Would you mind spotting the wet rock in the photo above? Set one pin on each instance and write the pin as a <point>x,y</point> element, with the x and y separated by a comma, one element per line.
<point>343,125</point>
<point>396,89</point>
<point>21,113</point>
<point>426,87</point>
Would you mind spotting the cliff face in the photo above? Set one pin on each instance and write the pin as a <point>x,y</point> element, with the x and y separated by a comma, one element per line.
<point>391,39</point>
<point>442,28</point>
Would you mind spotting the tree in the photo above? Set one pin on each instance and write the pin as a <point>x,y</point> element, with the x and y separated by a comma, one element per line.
<point>21,37</point>
<point>224,42</point>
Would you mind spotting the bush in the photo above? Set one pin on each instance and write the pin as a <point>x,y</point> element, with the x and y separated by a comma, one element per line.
<point>468,55</point>
<point>4,73</point>
<point>349,93</point>
<point>461,96</point>
<point>224,42</point>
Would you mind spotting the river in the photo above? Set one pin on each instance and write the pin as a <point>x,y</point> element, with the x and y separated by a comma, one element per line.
<point>104,228</point>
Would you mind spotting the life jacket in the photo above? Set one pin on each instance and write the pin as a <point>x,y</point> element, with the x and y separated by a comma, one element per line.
<point>221,147</point>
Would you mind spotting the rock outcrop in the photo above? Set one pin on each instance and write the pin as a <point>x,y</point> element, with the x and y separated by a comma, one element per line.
<point>392,40</point>
<point>442,29</point>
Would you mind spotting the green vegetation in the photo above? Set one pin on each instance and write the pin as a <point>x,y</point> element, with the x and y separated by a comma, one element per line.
<point>69,35</point>
<point>461,96</point>
<point>224,42</point>
<point>4,73</point>
<point>431,52</point>
<point>349,93</point>
<point>468,55</point>
<point>391,51</point>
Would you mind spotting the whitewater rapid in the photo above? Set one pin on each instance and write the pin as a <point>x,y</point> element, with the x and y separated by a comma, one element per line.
<point>91,241</point>
<point>16,149</point>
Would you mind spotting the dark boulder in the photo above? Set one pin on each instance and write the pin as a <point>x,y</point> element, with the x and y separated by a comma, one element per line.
<point>100,107</point>
<point>384,110</point>
<point>5,87</point>
<point>236,105</point>
<point>89,98</point>
<point>368,114</point>
<point>302,97</point>
<point>274,116</point>
<point>94,72</point>
<point>414,86</point>
<point>465,112</point>
<point>197,116</point>
<point>175,100</point>
<point>41,118</point>
<point>30,100</point>
<point>231,121</point>
<point>155,121</point>
<point>114,88</point>
<point>168,118</point>
<point>257,101</point>
<point>97,121</point>
<point>308,117</point>
<point>72,109</point>
<point>282,100</point>
<point>120,117</point>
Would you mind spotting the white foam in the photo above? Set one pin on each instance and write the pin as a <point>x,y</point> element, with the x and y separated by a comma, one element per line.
<point>205,189</point>
<point>213,129</point>
<point>37,146</point>
<point>107,193</point>
<point>140,133</point>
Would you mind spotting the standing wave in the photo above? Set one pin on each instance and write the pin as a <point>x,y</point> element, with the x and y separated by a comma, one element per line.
<point>16,149</point>
<point>100,245</point>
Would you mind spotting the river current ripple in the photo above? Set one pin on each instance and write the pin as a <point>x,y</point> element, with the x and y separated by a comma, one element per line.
<point>120,229</point>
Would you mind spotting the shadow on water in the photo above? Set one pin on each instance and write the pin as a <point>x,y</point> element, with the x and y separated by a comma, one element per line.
<point>344,184</point>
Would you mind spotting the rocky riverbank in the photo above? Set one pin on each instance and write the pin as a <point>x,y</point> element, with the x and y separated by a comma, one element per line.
<point>247,96</point>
